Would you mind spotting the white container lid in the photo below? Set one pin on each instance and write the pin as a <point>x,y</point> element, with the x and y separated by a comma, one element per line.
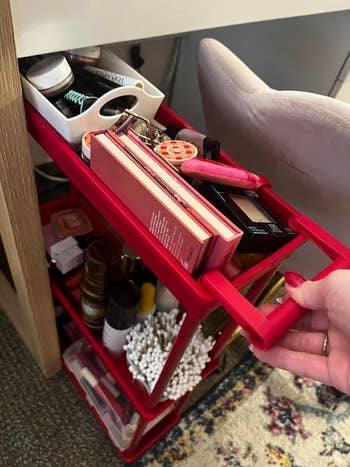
<point>50,74</point>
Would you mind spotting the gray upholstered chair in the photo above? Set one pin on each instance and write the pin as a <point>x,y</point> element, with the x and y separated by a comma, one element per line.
<point>299,141</point>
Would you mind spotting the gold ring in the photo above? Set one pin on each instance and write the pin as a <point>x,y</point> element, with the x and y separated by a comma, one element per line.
<point>325,346</point>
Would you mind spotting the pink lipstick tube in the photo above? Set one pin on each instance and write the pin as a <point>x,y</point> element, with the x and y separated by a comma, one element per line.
<point>222,174</point>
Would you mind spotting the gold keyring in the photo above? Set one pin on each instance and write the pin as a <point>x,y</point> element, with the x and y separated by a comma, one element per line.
<point>325,346</point>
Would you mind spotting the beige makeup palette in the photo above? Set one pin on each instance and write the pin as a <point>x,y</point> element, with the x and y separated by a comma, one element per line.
<point>262,230</point>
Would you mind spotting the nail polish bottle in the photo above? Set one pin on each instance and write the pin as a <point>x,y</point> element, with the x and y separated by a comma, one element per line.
<point>130,264</point>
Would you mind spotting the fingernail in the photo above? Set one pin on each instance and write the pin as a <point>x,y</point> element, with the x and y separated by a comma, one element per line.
<point>293,279</point>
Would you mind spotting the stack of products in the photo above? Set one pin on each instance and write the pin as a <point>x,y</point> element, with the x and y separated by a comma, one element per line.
<point>184,222</point>
<point>62,236</point>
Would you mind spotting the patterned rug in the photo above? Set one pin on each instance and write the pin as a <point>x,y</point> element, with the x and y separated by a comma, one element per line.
<point>260,417</point>
<point>255,417</point>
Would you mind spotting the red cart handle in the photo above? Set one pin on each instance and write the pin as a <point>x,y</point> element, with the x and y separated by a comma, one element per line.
<point>264,331</point>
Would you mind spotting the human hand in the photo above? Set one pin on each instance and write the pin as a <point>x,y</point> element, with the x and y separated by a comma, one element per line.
<point>306,351</point>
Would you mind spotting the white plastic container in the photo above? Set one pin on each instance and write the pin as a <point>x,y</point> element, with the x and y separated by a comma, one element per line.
<point>72,129</point>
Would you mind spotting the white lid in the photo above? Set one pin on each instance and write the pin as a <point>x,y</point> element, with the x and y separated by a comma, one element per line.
<point>49,72</point>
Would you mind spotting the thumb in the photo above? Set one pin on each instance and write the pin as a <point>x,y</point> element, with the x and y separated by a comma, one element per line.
<point>330,293</point>
<point>308,294</point>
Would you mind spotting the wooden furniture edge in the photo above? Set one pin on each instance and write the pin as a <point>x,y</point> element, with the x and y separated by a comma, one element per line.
<point>31,311</point>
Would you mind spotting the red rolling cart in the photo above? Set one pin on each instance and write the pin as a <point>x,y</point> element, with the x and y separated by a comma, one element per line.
<point>200,296</point>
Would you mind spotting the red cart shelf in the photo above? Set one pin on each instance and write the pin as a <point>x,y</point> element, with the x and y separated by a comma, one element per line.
<point>199,296</point>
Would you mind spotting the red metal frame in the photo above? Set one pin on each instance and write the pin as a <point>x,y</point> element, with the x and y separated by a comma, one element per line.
<point>199,296</point>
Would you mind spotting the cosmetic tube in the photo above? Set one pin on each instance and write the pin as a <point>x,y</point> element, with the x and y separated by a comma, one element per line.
<point>120,316</point>
<point>146,306</point>
<point>116,78</point>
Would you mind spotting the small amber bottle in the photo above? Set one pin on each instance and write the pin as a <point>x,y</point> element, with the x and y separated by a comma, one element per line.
<point>99,271</point>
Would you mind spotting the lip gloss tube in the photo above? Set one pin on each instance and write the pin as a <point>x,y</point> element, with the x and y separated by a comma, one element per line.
<point>222,174</point>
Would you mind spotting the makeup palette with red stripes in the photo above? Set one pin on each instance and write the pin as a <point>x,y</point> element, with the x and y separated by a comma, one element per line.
<point>176,151</point>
